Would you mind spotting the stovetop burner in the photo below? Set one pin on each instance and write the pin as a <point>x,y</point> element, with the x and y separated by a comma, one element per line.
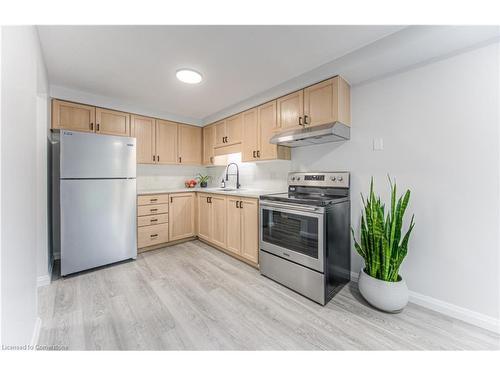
<point>314,189</point>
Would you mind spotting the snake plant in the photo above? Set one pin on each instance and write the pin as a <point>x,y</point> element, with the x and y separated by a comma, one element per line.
<point>381,244</point>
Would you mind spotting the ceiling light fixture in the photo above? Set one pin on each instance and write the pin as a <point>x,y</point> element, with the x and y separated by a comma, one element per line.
<point>188,76</point>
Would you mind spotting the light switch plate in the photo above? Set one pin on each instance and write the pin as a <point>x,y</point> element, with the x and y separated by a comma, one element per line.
<point>378,144</point>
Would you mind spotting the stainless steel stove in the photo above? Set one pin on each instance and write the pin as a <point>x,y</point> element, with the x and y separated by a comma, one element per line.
<point>305,234</point>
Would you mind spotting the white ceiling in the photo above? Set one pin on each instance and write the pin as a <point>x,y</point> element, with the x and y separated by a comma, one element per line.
<point>137,64</point>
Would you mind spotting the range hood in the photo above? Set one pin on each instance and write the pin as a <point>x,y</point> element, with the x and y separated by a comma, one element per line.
<point>334,132</point>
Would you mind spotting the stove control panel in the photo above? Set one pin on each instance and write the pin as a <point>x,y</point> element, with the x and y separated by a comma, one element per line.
<point>320,179</point>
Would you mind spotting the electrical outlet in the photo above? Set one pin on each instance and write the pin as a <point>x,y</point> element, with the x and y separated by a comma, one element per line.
<point>378,144</point>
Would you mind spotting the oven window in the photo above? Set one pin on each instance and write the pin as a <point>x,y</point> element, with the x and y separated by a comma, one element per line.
<point>294,232</point>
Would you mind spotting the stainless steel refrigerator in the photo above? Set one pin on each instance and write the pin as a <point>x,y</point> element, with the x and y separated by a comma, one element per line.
<point>93,199</point>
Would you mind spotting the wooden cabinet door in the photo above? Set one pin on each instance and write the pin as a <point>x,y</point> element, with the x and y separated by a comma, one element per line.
<point>218,228</point>
<point>234,127</point>
<point>320,103</point>
<point>189,144</point>
<point>143,129</point>
<point>267,128</point>
<point>233,221</point>
<point>220,133</point>
<point>250,230</point>
<point>208,145</point>
<point>112,122</point>
<point>72,116</point>
<point>250,138</point>
<point>181,216</point>
<point>166,142</point>
<point>204,216</point>
<point>291,110</point>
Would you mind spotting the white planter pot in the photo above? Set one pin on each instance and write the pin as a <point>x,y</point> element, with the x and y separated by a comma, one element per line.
<point>384,295</point>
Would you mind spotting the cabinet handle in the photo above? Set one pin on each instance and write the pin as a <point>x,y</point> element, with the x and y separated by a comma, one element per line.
<point>180,159</point>
<point>158,158</point>
<point>258,154</point>
<point>237,204</point>
<point>153,199</point>
<point>241,204</point>
<point>209,199</point>
<point>91,126</point>
<point>154,157</point>
<point>153,210</point>
<point>300,121</point>
<point>97,127</point>
<point>153,220</point>
<point>153,235</point>
<point>305,119</point>
<point>254,155</point>
<point>171,200</point>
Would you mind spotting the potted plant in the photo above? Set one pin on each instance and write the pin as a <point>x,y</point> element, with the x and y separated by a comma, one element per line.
<point>203,180</point>
<point>383,249</point>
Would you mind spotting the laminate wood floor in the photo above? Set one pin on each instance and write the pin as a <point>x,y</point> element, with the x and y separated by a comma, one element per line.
<point>192,296</point>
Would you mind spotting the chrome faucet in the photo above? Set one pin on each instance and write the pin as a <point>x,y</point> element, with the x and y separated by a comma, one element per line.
<point>237,174</point>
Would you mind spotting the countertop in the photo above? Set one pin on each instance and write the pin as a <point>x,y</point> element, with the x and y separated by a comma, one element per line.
<point>242,192</point>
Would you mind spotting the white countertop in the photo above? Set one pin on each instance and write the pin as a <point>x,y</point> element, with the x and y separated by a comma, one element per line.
<point>242,192</point>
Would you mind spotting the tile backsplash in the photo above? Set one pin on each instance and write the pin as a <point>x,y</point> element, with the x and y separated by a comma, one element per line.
<point>265,175</point>
<point>151,177</point>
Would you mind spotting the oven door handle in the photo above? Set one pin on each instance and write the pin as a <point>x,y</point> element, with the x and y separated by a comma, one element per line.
<point>291,206</point>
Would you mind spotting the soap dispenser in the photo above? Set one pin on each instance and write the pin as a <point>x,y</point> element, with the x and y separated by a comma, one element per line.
<point>223,184</point>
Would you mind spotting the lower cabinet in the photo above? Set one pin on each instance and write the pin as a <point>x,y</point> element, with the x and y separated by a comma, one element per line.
<point>243,228</point>
<point>164,218</point>
<point>181,216</point>
<point>212,218</point>
<point>231,223</point>
<point>152,220</point>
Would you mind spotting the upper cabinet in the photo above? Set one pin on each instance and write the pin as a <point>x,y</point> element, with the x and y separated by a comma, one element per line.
<point>166,142</point>
<point>250,135</point>
<point>259,125</point>
<point>85,118</point>
<point>144,130</point>
<point>326,102</point>
<point>112,122</point>
<point>229,132</point>
<point>189,144</point>
<point>208,144</point>
<point>73,116</point>
<point>291,110</point>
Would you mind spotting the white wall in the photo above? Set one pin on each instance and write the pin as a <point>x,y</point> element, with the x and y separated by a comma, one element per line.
<point>23,79</point>
<point>440,129</point>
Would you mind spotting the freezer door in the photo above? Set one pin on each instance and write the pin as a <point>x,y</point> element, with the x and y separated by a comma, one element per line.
<point>88,155</point>
<point>98,223</point>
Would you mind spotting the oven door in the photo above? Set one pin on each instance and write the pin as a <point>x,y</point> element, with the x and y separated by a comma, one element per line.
<point>294,232</point>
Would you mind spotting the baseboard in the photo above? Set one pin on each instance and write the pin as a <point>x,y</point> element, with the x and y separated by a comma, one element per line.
<point>36,332</point>
<point>449,309</point>
<point>45,279</point>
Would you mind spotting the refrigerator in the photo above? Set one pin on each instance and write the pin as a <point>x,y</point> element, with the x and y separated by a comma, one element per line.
<point>93,199</point>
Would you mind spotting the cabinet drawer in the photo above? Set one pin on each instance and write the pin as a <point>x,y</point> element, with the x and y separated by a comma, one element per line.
<point>143,221</point>
<point>152,209</point>
<point>152,235</point>
<point>143,200</point>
